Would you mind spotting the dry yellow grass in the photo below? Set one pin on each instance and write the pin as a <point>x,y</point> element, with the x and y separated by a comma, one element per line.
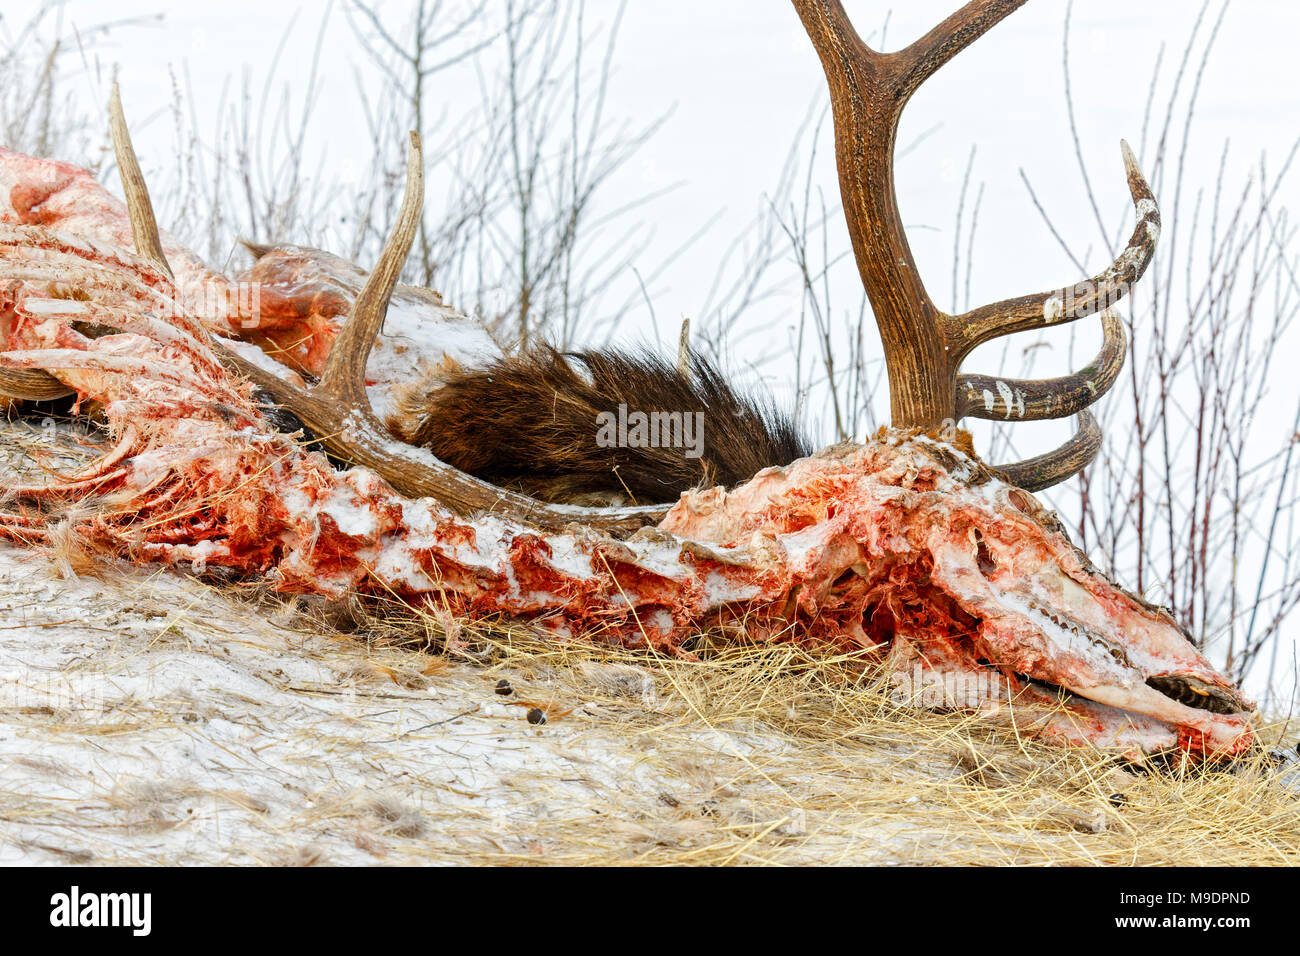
<point>782,755</point>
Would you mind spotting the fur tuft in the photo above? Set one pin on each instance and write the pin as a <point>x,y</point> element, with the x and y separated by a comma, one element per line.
<point>530,422</point>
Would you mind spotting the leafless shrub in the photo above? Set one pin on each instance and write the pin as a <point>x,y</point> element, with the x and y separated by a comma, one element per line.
<point>517,240</point>
<point>43,63</point>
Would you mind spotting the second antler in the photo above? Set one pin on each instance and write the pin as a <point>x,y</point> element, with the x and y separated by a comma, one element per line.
<point>924,347</point>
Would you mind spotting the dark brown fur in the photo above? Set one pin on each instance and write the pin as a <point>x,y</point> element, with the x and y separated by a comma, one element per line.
<point>529,422</point>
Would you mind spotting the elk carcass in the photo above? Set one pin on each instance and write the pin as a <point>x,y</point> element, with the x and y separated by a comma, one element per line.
<point>906,544</point>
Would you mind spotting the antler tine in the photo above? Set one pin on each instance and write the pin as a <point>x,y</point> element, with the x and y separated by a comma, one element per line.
<point>917,62</point>
<point>989,397</point>
<point>144,227</point>
<point>684,348</point>
<point>1053,398</point>
<point>345,369</point>
<point>1066,305</point>
<point>340,394</point>
<point>1035,474</point>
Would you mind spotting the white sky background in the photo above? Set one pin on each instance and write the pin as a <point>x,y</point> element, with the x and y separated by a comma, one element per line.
<point>740,76</point>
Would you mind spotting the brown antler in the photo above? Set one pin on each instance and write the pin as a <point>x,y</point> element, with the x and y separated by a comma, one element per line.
<point>337,409</point>
<point>924,347</point>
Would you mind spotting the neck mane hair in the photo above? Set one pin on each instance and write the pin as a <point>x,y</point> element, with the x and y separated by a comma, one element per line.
<point>599,426</point>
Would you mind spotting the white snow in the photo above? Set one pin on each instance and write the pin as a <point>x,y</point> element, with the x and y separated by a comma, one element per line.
<point>416,337</point>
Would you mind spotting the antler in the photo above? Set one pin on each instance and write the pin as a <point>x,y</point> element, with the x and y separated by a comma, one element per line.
<point>337,409</point>
<point>924,347</point>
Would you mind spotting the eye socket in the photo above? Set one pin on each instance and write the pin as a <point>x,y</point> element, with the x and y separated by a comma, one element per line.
<point>983,556</point>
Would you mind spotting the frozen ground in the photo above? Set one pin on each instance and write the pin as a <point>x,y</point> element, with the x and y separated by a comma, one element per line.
<point>151,719</point>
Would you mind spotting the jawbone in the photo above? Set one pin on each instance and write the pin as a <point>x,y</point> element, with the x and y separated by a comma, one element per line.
<point>987,604</point>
